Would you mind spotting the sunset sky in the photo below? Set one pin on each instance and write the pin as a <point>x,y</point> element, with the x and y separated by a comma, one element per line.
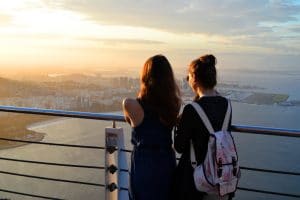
<point>124,33</point>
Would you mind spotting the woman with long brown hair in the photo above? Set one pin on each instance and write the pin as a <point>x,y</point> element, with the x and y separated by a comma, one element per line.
<point>152,117</point>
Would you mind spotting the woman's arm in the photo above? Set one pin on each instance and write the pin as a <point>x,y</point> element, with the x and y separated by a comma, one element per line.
<point>125,110</point>
<point>183,130</point>
<point>125,106</point>
<point>133,112</point>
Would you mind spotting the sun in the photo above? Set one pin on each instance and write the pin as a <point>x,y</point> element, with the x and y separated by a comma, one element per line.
<point>49,21</point>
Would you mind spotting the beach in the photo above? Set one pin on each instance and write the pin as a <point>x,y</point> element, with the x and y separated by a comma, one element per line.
<point>15,126</point>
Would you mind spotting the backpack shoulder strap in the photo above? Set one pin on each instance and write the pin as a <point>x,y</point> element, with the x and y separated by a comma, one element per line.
<point>227,117</point>
<point>208,126</point>
<point>203,116</point>
<point>192,155</point>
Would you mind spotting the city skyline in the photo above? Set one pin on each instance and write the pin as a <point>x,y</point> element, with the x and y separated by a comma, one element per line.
<point>74,34</point>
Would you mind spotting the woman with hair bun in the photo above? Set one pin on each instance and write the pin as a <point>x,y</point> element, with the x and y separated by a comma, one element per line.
<point>202,78</point>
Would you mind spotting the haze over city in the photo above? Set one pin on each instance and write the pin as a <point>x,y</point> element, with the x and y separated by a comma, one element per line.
<point>86,56</point>
<point>60,35</point>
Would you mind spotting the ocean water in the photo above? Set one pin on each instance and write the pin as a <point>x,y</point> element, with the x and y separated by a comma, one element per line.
<point>270,152</point>
<point>285,82</point>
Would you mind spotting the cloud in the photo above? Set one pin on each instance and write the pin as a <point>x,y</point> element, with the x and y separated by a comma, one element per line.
<point>181,29</point>
<point>122,41</point>
<point>295,29</point>
<point>229,17</point>
<point>263,26</point>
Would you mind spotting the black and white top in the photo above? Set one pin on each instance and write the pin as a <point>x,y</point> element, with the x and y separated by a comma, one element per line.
<point>191,127</point>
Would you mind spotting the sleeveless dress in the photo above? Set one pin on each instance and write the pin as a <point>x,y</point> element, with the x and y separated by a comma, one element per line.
<point>153,159</point>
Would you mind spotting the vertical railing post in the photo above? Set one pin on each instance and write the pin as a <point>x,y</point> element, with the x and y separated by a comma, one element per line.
<point>123,167</point>
<point>111,142</point>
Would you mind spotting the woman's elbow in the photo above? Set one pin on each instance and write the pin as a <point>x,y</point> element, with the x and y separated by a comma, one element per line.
<point>125,103</point>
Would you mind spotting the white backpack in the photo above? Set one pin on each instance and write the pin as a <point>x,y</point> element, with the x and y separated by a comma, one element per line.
<point>220,172</point>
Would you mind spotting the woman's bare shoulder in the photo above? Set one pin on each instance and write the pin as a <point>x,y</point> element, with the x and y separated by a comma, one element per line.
<point>133,111</point>
<point>130,103</point>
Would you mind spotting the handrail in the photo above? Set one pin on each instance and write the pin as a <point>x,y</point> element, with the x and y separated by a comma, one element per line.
<point>52,179</point>
<point>53,144</point>
<point>53,164</point>
<point>29,195</point>
<point>120,118</point>
<point>266,130</point>
<point>63,113</point>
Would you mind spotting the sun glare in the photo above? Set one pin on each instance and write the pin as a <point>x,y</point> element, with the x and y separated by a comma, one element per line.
<point>48,21</point>
<point>33,19</point>
<point>36,27</point>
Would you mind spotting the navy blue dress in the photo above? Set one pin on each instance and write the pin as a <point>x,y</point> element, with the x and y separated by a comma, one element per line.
<point>153,159</point>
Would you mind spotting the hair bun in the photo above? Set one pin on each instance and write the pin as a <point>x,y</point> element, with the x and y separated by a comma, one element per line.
<point>209,59</point>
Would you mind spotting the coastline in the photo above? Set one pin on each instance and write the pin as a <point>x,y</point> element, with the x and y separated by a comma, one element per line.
<point>34,136</point>
<point>25,131</point>
<point>29,129</point>
<point>45,123</point>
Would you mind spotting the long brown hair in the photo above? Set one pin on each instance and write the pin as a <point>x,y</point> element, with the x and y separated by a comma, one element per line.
<point>159,90</point>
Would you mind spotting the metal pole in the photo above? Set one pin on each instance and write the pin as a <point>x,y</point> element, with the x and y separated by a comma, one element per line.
<point>111,137</point>
<point>123,166</point>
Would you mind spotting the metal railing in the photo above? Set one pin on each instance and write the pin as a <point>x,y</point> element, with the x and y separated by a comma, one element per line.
<point>111,168</point>
<point>120,118</point>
